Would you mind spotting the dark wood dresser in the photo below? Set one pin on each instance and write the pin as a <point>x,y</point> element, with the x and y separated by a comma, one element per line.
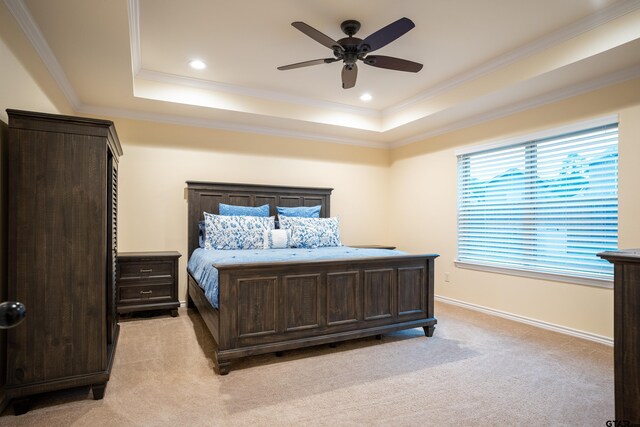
<point>626,333</point>
<point>148,281</point>
<point>62,246</point>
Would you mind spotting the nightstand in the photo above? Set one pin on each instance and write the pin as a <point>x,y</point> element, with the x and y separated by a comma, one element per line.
<point>373,246</point>
<point>147,281</point>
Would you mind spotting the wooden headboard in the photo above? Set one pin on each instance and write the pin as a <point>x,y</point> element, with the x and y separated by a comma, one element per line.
<point>206,197</point>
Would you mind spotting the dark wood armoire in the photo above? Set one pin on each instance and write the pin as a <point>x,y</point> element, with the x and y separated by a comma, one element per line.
<point>62,248</point>
<point>626,334</point>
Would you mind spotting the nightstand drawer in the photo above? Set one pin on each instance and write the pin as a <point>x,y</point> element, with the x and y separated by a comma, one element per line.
<point>145,293</point>
<point>146,270</point>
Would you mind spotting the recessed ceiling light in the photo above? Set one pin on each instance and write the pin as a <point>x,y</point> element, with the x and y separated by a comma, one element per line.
<point>366,97</point>
<point>197,64</point>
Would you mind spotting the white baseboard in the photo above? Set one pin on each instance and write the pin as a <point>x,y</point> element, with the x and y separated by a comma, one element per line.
<point>533,322</point>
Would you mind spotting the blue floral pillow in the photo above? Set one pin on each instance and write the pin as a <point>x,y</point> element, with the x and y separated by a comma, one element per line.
<point>312,232</point>
<point>305,237</point>
<point>234,210</point>
<point>300,212</point>
<point>236,232</point>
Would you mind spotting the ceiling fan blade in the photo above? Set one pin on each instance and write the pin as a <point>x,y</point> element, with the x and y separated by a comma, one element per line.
<point>392,63</point>
<point>317,35</point>
<point>349,76</point>
<point>386,35</point>
<point>308,63</point>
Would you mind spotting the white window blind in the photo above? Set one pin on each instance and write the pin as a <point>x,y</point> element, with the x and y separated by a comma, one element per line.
<point>544,206</point>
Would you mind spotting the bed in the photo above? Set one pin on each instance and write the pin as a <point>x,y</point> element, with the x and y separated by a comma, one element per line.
<point>270,306</point>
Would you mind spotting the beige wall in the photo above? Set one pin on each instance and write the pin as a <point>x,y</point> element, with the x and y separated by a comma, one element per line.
<point>159,158</point>
<point>423,195</point>
<point>25,83</point>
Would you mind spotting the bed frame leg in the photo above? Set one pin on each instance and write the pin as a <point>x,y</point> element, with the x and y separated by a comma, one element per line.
<point>21,406</point>
<point>190,303</point>
<point>428,330</point>
<point>98,390</point>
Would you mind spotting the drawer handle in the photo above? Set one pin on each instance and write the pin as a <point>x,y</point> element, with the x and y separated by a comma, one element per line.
<point>149,270</point>
<point>145,292</point>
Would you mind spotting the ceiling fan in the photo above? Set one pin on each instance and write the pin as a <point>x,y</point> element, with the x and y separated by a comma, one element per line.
<point>351,49</point>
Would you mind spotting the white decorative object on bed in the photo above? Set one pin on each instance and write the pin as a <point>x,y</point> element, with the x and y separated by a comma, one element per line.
<point>277,239</point>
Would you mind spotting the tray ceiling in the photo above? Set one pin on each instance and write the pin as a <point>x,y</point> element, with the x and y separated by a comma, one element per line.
<point>482,59</point>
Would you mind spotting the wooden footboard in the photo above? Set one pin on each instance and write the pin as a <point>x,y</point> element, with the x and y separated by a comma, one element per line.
<point>269,307</point>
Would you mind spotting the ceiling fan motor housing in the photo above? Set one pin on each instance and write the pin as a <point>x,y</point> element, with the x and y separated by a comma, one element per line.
<point>350,27</point>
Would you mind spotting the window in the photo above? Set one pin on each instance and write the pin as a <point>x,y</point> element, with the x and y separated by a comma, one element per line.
<point>544,205</point>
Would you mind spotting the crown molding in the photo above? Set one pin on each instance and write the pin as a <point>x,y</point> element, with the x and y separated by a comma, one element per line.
<point>607,14</point>
<point>161,77</point>
<point>134,35</point>
<point>22,15</point>
<point>555,96</point>
<point>234,127</point>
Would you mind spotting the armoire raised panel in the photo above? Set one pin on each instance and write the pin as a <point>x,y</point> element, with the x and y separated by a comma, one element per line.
<point>62,249</point>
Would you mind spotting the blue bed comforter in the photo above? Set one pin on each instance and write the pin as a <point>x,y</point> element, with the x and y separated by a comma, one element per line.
<point>201,262</point>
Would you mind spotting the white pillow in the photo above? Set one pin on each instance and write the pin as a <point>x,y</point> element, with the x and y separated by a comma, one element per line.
<point>277,239</point>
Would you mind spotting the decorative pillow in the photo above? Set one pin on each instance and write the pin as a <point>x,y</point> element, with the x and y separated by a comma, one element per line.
<point>305,237</point>
<point>300,212</point>
<point>233,210</point>
<point>303,230</point>
<point>236,232</point>
<point>277,239</point>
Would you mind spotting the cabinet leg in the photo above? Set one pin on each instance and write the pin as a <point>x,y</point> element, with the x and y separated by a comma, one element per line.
<point>98,390</point>
<point>21,406</point>
<point>174,312</point>
<point>224,367</point>
<point>428,330</point>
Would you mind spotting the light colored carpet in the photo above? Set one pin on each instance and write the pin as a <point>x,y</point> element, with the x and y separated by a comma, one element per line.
<point>475,370</point>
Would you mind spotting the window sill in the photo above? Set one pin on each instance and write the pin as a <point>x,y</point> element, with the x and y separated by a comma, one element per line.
<point>600,283</point>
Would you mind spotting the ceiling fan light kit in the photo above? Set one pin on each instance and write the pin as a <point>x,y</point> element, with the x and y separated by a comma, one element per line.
<point>350,49</point>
